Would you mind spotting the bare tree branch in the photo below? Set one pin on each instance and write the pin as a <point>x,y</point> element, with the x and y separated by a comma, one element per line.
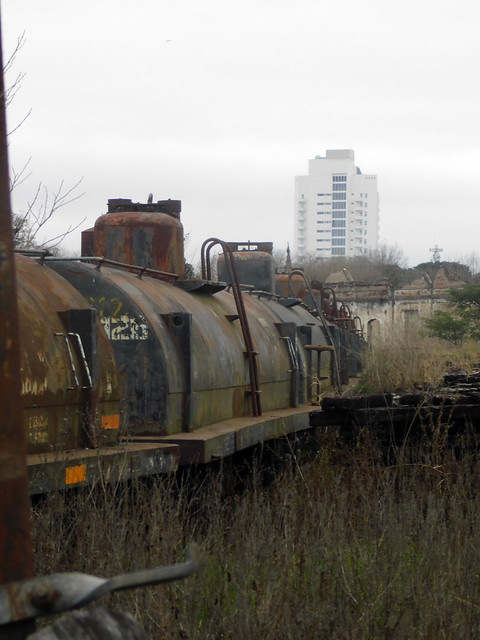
<point>15,85</point>
<point>17,126</point>
<point>20,44</point>
<point>18,177</point>
<point>40,210</point>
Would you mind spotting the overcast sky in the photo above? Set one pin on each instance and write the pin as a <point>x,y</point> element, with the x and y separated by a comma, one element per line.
<point>220,103</point>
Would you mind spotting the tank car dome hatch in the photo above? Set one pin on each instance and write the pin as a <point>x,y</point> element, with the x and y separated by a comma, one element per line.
<point>148,235</point>
<point>254,265</point>
<point>287,285</point>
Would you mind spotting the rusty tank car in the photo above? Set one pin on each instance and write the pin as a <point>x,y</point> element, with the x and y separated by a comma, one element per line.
<point>129,369</point>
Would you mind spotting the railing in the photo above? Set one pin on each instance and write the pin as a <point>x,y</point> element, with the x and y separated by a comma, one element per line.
<point>321,317</point>
<point>250,352</point>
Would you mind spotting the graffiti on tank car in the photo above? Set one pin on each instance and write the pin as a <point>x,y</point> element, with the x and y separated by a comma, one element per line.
<point>119,326</point>
<point>34,387</point>
<point>38,429</point>
<point>101,303</point>
<point>125,328</point>
<point>109,383</point>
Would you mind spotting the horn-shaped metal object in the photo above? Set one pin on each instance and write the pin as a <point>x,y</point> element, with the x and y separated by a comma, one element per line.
<point>61,592</point>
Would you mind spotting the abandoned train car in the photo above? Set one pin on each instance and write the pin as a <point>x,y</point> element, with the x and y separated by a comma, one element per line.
<point>129,369</point>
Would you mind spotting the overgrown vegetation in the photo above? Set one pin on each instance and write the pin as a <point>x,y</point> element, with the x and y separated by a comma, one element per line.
<point>346,547</point>
<point>354,544</point>
<point>405,358</point>
<point>461,322</point>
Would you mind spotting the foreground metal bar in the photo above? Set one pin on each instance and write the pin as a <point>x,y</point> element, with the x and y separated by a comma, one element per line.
<point>16,558</point>
<point>64,591</point>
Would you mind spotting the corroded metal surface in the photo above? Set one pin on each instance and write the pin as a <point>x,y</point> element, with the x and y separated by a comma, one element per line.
<point>225,438</point>
<point>186,356</point>
<point>180,359</point>
<point>181,355</point>
<point>174,348</point>
<point>250,351</point>
<point>69,383</point>
<point>16,559</point>
<point>61,470</point>
<point>254,266</point>
<point>146,235</point>
<point>287,286</point>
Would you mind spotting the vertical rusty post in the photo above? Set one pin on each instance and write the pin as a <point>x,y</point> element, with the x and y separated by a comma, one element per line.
<point>16,557</point>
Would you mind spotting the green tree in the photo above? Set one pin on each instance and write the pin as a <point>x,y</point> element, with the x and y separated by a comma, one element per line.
<point>463,320</point>
<point>448,326</point>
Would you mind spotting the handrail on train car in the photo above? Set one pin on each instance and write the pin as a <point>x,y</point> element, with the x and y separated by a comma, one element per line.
<point>43,256</point>
<point>251,353</point>
<point>323,320</point>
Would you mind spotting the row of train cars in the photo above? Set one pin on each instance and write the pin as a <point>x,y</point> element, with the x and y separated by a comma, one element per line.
<point>129,369</point>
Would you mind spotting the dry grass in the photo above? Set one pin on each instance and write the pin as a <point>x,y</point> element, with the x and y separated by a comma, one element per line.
<point>404,358</point>
<point>346,548</point>
<point>343,547</point>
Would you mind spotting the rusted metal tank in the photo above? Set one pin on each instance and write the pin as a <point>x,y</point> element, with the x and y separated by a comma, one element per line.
<point>149,235</point>
<point>284,283</point>
<point>254,265</point>
<point>193,355</point>
<point>69,385</point>
<point>287,285</point>
<point>180,351</point>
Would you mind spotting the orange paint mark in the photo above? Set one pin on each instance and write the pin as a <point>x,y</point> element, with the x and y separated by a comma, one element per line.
<point>111,422</point>
<point>74,475</point>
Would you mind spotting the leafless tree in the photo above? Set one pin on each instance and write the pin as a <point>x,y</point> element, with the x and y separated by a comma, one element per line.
<point>386,263</point>
<point>28,225</point>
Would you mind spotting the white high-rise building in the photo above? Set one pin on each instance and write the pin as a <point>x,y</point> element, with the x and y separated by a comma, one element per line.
<point>336,207</point>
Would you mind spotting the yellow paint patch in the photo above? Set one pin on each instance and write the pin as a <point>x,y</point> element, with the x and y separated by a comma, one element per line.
<point>74,475</point>
<point>111,422</point>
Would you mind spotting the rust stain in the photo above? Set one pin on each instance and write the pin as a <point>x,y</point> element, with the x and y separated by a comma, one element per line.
<point>148,235</point>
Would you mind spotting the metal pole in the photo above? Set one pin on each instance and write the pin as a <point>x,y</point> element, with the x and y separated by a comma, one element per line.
<point>16,556</point>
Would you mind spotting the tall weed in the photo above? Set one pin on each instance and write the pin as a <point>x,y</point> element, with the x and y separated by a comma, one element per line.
<point>404,358</point>
<point>349,548</point>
